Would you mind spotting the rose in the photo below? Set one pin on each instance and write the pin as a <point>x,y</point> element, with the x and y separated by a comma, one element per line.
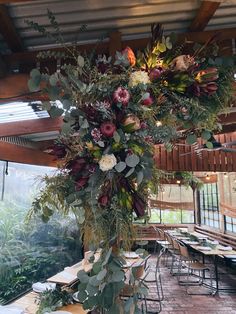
<point>103,200</point>
<point>138,77</point>
<point>107,129</point>
<point>121,95</point>
<point>107,162</point>
<point>133,120</point>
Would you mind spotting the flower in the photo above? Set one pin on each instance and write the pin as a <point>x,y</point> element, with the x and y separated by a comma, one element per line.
<point>209,88</point>
<point>182,63</point>
<point>207,75</point>
<point>96,134</point>
<point>103,200</point>
<point>130,55</point>
<point>138,77</point>
<point>58,150</point>
<point>147,100</point>
<point>80,183</point>
<point>76,165</point>
<point>107,129</point>
<point>155,73</point>
<point>121,95</point>
<point>132,120</point>
<point>107,162</point>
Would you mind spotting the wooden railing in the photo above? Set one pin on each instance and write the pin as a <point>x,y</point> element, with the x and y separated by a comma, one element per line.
<point>208,161</point>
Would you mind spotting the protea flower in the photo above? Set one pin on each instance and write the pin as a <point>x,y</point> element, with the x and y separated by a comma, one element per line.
<point>207,75</point>
<point>133,120</point>
<point>107,129</point>
<point>130,55</point>
<point>155,73</point>
<point>139,205</point>
<point>209,88</point>
<point>121,95</point>
<point>103,200</point>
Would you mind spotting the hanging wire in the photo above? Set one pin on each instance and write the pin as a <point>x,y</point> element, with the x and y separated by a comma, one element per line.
<point>4,174</point>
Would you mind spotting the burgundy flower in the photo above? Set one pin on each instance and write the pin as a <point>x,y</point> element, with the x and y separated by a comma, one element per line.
<point>103,200</point>
<point>96,134</point>
<point>76,165</point>
<point>80,183</point>
<point>143,125</point>
<point>149,139</point>
<point>91,168</point>
<point>58,150</point>
<point>147,100</point>
<point>121,95</point>
<point>155,73</point>
<point>209,88</point>
<point>107,129</point>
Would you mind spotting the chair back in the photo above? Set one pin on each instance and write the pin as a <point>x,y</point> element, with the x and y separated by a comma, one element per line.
<point>139,268</point>
<point>184,251</point>
<point>162,251</point>
<point>169,238</point>
<point>175,244</point>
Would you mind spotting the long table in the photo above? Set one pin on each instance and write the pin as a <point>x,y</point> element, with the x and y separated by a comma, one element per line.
<point>67,277</point>
<point>214,253</point>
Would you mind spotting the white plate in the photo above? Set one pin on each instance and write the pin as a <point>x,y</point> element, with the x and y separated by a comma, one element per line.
<point>41,287</point>
<point>191,242</point>
<point>204,248</point>
<point>225,248</point>
<point>60,312</point>
<point>11,309</point>
<point>130,255</point>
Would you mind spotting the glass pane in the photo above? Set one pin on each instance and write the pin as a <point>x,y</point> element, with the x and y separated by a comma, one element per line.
<point>35,251</point>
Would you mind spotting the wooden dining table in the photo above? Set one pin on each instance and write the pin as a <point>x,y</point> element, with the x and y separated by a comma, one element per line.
<point>30,301</point>
<point>215,253</point>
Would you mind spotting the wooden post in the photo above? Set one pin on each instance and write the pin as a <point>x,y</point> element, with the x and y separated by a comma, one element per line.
<point>115,43</point>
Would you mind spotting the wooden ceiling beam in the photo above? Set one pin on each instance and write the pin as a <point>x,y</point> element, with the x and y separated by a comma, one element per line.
<point>14,1</point>
<point>29,58</point>
<point>30,126</point>
<point>25,155</point>
<point>8,30</point>
<point>205,13</point>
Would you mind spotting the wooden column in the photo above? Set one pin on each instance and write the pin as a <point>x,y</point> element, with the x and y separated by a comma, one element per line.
<point>115,43</point>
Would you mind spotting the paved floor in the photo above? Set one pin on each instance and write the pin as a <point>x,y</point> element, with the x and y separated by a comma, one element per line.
<point>176,300</point>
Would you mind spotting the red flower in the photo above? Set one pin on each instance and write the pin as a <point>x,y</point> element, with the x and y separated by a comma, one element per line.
<point>121,95</point>
<point>80,183</point>
<point>148,100</point>
<point>107,129</point>
<point>103,200</point>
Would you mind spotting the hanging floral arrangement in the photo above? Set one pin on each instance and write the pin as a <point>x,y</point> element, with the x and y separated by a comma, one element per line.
<point>114,112</point>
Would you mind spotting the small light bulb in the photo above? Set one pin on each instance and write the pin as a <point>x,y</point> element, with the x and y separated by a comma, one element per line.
<point>207,177</point>
<point>225,175</point>
<point>158,123</point>
<point>178,181</point>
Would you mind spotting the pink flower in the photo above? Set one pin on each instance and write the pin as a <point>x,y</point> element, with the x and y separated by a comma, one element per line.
<point>143,125</point>
<point>147,100</point>
<point>103,200</point>
<point>107,129</point>
<point>96,134</point>
<point>121,95</point>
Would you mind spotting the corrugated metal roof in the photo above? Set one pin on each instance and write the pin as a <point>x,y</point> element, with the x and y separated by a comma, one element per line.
<point>20,111</point>
<point>132,18</point>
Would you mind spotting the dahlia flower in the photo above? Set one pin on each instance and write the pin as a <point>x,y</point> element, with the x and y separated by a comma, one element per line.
<point>138,77</point>
<point>107,162</point>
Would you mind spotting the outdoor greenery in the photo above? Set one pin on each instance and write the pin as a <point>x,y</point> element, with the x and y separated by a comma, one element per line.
<point>33,251</point>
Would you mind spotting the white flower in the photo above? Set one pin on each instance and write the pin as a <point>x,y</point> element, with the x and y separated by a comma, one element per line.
<point>107,162</point>
<point>138,77</point>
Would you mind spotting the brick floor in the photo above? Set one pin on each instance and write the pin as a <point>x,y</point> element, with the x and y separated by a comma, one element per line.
<point>176,300</point>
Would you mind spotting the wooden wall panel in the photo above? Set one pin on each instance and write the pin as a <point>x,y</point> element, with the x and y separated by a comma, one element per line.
<point>214,160</point>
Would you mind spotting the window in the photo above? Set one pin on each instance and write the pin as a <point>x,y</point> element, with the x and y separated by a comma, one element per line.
<point>209,206</point>
<point>230,224</point>
<point>174,205</point>
<point>35,251</point>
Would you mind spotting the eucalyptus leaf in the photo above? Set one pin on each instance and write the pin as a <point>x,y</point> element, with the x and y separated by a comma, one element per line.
<point>55,112</point>
<point>209,145</point>
<point>102,274</point>
<point>120,166</point>
<point>191,139</point>
<point>116,137</point>
<point>132,160</point>
<point>118,276</point>
<point>140,176</point>
<point>80,61</point>
<point>206,135</point>
<point>83,276</point>
<point>131,171</point>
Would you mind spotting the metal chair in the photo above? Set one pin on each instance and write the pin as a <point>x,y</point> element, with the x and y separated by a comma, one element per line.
<point>192,266</point>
